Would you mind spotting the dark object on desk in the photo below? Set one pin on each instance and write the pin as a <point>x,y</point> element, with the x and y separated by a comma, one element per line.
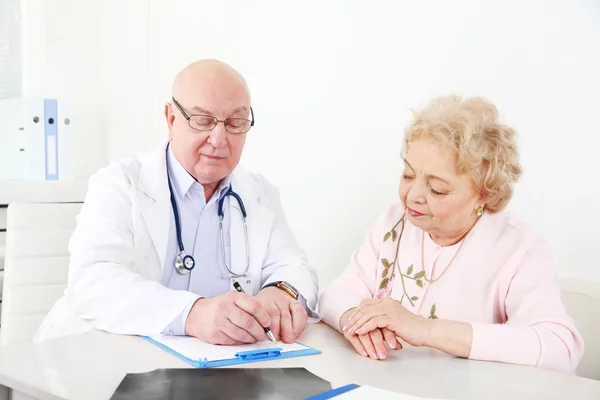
<point>221,383</point>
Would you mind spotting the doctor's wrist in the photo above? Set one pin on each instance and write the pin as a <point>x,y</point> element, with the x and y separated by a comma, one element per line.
<point>192,322</point>
<point>284,286</point>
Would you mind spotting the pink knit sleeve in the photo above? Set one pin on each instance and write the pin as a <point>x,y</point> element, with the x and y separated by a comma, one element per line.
<point>356,282</point>
<point>538,331</point>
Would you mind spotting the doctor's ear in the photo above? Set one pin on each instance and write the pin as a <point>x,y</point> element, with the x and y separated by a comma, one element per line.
<point>169,115</point>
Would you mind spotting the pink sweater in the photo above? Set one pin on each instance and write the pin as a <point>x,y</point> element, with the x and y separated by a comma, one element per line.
<point>502,282</point>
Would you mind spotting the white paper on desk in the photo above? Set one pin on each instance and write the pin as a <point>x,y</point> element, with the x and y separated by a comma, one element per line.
<point>368,392</point>
<point>195,349</point>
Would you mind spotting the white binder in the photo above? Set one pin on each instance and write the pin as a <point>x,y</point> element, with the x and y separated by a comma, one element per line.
<point>35,140</point>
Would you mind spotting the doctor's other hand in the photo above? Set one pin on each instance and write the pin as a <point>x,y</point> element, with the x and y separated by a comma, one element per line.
<point>386,313</point>
<point>229,319</point>
<point>374,344</point>
<point>288,317</point>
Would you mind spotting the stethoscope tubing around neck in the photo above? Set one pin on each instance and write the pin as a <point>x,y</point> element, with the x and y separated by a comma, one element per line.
<point>230,192</point>
<point>180,263</point>
<point>176,214</point>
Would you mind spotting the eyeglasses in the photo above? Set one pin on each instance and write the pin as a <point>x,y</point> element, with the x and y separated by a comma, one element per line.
<point>235,126</point>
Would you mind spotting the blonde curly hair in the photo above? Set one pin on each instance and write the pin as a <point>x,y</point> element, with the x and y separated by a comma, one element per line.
<point>485,148</point>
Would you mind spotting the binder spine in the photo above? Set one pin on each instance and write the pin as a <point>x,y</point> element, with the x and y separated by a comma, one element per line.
<point>51,138</point>
<point>335,392</point>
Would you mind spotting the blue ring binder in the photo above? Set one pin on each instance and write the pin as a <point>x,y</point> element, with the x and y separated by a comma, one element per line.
<point>51,139</point>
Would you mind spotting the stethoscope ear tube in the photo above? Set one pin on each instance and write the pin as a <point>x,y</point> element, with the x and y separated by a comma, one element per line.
<point>243,215</point>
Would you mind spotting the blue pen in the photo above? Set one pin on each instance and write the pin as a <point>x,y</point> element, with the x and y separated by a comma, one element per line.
<point>239,288</point>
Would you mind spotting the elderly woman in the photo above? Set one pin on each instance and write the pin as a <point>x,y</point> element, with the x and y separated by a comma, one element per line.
<point>448,267</point>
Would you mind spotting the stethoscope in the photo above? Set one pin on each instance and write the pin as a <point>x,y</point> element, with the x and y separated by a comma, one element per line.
<point>184,263</point>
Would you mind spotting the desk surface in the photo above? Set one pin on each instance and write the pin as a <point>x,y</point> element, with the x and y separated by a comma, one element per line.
<point>91,366</point>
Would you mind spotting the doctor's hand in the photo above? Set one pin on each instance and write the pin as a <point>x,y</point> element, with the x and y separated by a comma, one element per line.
<point>374,344</point>
<point>288,317</point>
<point>230,319</point>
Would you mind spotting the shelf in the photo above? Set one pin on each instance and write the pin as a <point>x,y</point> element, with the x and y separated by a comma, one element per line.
<point>42,191</point>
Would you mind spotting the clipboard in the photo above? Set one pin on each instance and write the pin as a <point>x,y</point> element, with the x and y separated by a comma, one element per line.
<point>204,355</point>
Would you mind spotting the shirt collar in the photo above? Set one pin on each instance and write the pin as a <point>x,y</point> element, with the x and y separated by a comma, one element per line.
<point>224,186</point>
<point>183,182</point>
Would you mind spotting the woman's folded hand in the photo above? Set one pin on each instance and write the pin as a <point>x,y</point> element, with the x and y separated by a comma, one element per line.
<point>374,344</point>
<point>389,314</point>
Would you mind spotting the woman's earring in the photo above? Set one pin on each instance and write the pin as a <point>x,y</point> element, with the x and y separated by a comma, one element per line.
<point>480,211</point>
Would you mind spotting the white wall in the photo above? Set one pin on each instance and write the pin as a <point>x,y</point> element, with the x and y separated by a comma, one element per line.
<point>332,85</point>
<point>63,56</point>
<point>10,49</point>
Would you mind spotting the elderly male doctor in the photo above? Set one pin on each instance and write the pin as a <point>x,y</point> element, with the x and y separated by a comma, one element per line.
<point>129,273</point>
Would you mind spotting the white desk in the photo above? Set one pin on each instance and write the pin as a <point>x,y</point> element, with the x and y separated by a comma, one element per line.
<point>91,366</point>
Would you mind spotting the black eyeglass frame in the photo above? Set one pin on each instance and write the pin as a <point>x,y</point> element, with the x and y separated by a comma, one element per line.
<point>189,117</point>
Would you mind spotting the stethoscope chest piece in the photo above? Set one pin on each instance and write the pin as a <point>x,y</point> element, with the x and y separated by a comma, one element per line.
<point>184,263</point>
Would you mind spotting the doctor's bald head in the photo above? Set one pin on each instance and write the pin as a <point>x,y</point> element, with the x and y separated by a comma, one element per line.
<point>208,74</point>
<point>208,118</point>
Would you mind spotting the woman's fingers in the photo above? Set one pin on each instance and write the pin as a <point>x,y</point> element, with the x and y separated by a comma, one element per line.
<point>358,311</point>
<point>390,339</point>
<point>373,344</point>
<point>360,326</point>
<point>378,343</point>
<point>372,324</point>
<point>355,342</point>
<point>365,340</point>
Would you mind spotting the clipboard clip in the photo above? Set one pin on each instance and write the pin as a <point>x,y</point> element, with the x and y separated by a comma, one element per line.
<point>259,354</point>
<point>203,362</point>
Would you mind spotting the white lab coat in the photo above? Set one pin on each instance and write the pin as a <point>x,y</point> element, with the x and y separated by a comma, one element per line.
<point>118,251</point>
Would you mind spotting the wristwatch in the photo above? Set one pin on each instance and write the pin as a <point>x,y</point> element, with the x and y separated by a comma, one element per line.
<point>286,287</point>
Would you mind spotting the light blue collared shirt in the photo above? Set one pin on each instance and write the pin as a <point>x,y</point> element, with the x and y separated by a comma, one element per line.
<point>199,223</point>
